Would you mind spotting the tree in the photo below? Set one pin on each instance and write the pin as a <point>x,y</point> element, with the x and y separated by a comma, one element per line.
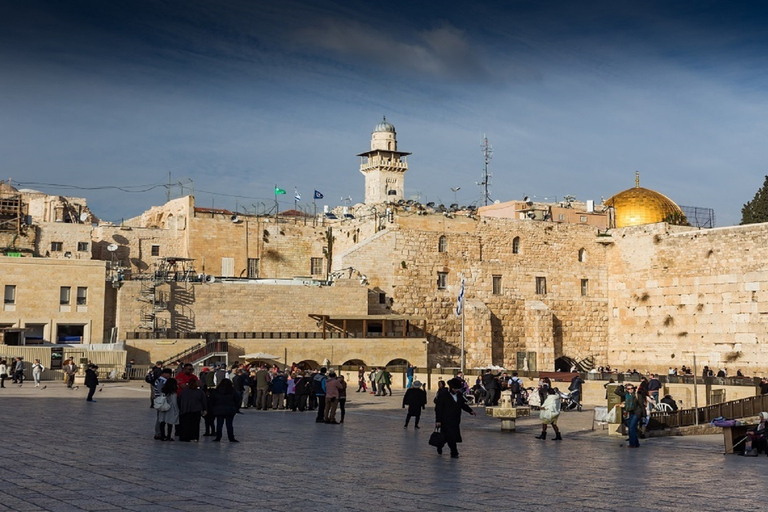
<point>756,210</point>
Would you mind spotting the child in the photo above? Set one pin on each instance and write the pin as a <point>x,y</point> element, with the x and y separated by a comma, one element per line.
<point>416,400</point>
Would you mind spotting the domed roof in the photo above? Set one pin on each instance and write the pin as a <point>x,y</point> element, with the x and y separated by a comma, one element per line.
<point>637,206</point>
<point>7,188</point>
<point>384,126</point>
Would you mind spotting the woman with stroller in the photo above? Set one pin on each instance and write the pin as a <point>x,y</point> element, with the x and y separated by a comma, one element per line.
<point>550,411</point>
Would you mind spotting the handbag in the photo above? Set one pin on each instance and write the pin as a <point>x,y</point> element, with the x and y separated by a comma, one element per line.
<point>437,438</point>
<point>161,403</point>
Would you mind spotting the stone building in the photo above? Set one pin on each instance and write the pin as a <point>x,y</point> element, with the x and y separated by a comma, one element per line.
<point>384,166</point>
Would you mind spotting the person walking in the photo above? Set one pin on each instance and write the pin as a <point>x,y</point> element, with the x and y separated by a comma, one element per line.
<point>91,381</point>
<point>632,414</point>
<point>192,406</point>
<point>361,380</point>
<point>372,379</point>
<point>225,402</point>
<point>416,400</point>
<point>69,370</point>
<point>332,386</point>
<point>409,375</point>
<point>18,371</point>
<point>550,411</point>
<point>3,372</point>
<point>170,417</point>
<point>448,407</point>
<point>37,372</point>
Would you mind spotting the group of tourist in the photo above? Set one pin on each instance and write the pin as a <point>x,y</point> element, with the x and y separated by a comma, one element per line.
<point>15,371</point>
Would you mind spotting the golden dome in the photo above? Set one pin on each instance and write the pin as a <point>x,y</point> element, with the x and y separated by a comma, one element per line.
<point>637,206</point>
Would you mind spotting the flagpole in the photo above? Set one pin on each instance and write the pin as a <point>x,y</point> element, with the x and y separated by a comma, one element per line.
<point>277,208</point>
<point>462,339</point>
<point>295,208</point>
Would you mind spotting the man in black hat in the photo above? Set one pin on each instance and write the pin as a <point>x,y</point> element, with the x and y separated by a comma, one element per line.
<point>448,407</point>
<point>91,381</point>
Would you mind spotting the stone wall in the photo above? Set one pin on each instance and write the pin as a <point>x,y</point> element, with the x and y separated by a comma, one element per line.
<point>242,307</point>
<point>677,292</point>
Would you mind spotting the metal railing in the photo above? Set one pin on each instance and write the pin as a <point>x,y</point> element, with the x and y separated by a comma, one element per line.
<point>734,409</point>
<point>139,335</point>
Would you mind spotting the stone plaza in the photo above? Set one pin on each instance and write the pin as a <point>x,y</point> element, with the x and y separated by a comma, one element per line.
<point>64,454</point>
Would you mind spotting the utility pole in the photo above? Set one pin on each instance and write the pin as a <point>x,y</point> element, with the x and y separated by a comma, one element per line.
<point>487,151</point>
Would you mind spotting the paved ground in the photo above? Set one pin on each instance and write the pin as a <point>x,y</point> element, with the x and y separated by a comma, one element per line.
<point>62,453</point>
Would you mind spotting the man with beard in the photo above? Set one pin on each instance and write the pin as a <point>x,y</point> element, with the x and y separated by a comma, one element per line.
<point>448,407</point>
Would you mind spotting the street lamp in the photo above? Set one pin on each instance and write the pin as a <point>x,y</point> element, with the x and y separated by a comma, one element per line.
<point>454,190</point>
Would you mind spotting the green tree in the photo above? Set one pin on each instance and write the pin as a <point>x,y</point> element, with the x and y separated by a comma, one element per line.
<point>756,210</point>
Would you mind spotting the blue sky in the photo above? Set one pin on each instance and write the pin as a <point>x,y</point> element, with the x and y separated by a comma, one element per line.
<point>238,96</point>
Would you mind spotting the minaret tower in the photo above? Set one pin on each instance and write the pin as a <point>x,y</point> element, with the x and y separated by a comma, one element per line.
<point>384,166</point>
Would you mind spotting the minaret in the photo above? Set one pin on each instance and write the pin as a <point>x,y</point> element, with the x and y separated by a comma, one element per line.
<point>384,166</point>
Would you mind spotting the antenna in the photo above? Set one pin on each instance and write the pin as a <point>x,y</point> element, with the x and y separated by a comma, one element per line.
<point>487,151</point>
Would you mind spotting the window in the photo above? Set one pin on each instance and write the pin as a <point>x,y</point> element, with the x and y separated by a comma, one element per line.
<point>57,246</point>
<point>82,246</point>
<point>82,295</point>
<point>155,250</point>
<point>316,266</point>
<point>10,294</point>
<point>382,298</point>
<point>541,286</point>
<point>497,285</point>
<point>442,278</point>
<point>516,245</point>
<point>253,268</point>
<point>584,287</point>
<point>442,245</point>
<point>560,216</point>
<point>64,293</point>
<point>582,255</point>
<point>583,218</point>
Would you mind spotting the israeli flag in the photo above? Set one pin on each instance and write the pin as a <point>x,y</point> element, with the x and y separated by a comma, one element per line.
<point>460,299</point>
<point>296,194</point>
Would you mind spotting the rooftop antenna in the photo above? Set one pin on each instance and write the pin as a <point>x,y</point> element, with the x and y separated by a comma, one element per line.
<point>487,151</point>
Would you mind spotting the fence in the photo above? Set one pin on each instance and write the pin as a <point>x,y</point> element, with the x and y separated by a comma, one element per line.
<point>743,408</point>
<point>150,335</point>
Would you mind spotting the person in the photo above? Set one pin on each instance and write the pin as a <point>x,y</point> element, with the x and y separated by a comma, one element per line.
<point>516,387</point>
<point>764,386</point>
<point>491,385</point>
<point>128,369</point>
<point>654,386</point>
<point>185,376</point>
<point>372,379</point>
<point>416,400</point>
<point>157,390</point>
<point>383,382</point>
<point>739,373</point>
<point>262,387</point>
<point>441,388</point>
<point>240,382</point>
<point>151,378</point>
<point>670,402</point>
<point>192,406</point>
<point>37,372</point>
<point>225,402</point>
<point>332,387</point>
<point>69,371</point>
<point>303,390</point>
<point>318,390</point>
<point>342,398</point>
<point>757,437</point>
<point>632,413</point>
<point>550,411</point>
<point>91,381</point>
<point>290,393</point>
<point>167,419</point>
<point>3,372</point>
<point>448,407</point>
<point>409,375</point>
<point>279,387</point>
<point>18,371</point>
<point>575,387</point>
<point>361,380</point>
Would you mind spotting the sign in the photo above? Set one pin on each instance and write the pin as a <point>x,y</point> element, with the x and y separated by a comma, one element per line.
<point>57,358</point>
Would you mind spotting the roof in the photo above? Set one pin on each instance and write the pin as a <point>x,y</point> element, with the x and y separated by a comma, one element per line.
<point>373,151</point>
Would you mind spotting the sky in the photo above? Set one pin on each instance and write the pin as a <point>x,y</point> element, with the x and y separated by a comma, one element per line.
<point>104,99</point>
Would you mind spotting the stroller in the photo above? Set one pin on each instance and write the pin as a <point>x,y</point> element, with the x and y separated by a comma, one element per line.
<point>569,401</point>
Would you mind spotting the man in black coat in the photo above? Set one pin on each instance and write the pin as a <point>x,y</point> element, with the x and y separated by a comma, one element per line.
<point>491,385</point>
<point>448,407</point>
<point>91,381</point>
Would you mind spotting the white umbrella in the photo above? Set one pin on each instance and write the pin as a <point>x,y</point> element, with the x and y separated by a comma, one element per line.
<point>260,355</point>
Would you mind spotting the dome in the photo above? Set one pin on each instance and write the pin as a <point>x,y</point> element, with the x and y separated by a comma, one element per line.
<point>384,126</point>
<point>7,188</point>
<point>637,206</point>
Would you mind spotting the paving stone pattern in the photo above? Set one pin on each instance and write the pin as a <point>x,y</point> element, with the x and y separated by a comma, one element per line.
<point>62,453</point>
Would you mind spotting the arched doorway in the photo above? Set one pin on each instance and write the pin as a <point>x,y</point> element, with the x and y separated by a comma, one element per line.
<point>307,365</point>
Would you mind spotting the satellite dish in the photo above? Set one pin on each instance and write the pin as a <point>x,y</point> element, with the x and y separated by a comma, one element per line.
<point>210,279</point>
<point>83,217</point>
<point>525,199</point>
<point>112,247</point>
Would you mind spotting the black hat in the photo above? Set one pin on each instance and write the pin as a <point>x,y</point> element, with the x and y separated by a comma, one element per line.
<point>455,383</point>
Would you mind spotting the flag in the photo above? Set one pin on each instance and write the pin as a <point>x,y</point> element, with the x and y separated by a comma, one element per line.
<point>460,299</point>
<point>279,191</point>
<point>318,195</point>
<point>296,194</point>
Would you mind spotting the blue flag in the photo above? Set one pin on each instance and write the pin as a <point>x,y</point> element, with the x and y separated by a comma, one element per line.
<point>318,195</point>
<point>460,299</point>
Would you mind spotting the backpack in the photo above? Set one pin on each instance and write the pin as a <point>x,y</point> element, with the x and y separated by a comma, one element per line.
<point>150,377</point>
<point>161,403</point>
<point>514,387</point>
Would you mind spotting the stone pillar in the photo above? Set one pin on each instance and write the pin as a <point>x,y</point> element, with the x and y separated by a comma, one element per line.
<point>477,334</point>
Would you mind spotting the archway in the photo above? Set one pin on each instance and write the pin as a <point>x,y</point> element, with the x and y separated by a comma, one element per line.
<point>307,365</point>
<point>398,362</point>
<point>355,362</point>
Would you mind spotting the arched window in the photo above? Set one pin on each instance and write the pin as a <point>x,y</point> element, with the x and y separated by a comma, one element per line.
<point>516,245</point>
<point>442,245</point>
<point>582,255</point>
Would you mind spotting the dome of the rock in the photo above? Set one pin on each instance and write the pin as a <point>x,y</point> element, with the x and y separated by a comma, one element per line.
<point>638,205</point>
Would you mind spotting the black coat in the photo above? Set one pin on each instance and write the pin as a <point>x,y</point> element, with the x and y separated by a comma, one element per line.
<point>448,414</point>
<point>415,399</point>
<point>225,405</point>
<point>91,380</point>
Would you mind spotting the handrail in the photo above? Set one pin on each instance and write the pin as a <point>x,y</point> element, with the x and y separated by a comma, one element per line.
<point>742,408</point>
<point>150,335</point>
<point>200,350</point>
